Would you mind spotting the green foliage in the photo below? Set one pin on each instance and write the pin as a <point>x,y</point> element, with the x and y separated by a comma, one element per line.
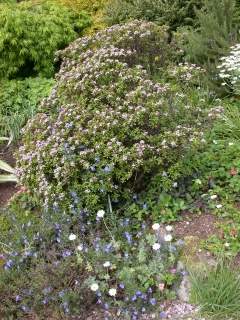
<point>229,127</point>
<point>107,128</point>
<point>30,33</point>
<point>93,7</point>
<point>217,291</point>
<point>161,206</point>
<point>217,162</point>
<point>217,29</point>
<point>18,102</point>
<point>163,12</point>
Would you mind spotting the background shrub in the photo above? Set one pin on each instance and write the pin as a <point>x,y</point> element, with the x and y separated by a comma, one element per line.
<point>107,127</point>
<point>32,32</point>
<point>18,102</point>
<point>172,13</point>
<point>218,24</point>
<point>94,8</point>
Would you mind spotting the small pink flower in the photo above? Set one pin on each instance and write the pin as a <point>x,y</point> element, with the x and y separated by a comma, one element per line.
<point>173,271</point>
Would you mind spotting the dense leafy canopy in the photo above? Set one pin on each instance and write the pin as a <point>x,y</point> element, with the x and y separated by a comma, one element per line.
<point>30,33</point>
<point>163,12</point>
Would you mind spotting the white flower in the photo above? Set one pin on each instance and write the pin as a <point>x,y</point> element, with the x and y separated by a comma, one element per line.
<point>213,197</point>
<point>155,226</point>
<point>230,143</point>
<point>168,238</point>
<point>175,184</point>
<point>169,228</point>
<point>72,237</point>
<point>107,264</point>
<point>100,213</point>
<point>112,292</point>
<point>219,206</point>
<point>94,287</point>
<point>156,246</point>
<point>227,245</point>
<point>80,247</point>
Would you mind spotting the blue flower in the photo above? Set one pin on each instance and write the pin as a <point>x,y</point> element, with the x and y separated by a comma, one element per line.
<point>145,206</point>
<point>66,253</point>
<point>138,293</point>
<point>108,248</point>
<point>134,298</point>
<point>163,315</point>
<point>128,237</point>
<point>107,169</point>
<point>153,301</point>
<point>9,264</point>
<point>121,285</point>
<point>25,308</point>
<point>106,306</point>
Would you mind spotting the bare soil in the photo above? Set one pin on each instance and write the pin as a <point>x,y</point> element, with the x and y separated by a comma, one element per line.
<point>202,226</point>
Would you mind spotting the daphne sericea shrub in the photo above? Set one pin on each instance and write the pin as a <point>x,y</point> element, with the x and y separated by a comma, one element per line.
<point>107,126</point>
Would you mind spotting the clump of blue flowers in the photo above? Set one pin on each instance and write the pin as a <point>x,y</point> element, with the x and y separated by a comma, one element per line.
<point>122,267</point>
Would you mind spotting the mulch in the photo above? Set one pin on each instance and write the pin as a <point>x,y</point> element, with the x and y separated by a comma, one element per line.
<point>202,226</point>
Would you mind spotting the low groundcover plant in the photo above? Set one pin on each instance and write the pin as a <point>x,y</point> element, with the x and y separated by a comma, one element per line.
<point>68,262</point>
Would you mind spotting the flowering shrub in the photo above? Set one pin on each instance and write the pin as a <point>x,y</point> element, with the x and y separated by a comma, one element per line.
<point>107,126</point>
<point>186,73</point>
<point>230,70</point>
<point>58,263</point>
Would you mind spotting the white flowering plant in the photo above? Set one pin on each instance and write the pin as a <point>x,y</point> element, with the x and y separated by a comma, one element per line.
<point>107,127</point>
<point>229,70</point>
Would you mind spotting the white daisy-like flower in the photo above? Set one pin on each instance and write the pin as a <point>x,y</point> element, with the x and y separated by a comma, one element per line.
<point>156,246</point>
<point>168,237</point>
<point>107,264</point>
<point>219,206</point>
<point>112,292</point>
<point>80,247</point>
<point>72,237</point>
<point>169,228</point>
<point>227,245</point>
<point>213,197</point>
<point>100,213</point>
<point>155,226</point>
<point>94,287</point>
<point>230,143</point>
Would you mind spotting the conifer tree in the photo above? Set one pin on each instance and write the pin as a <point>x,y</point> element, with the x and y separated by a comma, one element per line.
<point>217,29</point>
